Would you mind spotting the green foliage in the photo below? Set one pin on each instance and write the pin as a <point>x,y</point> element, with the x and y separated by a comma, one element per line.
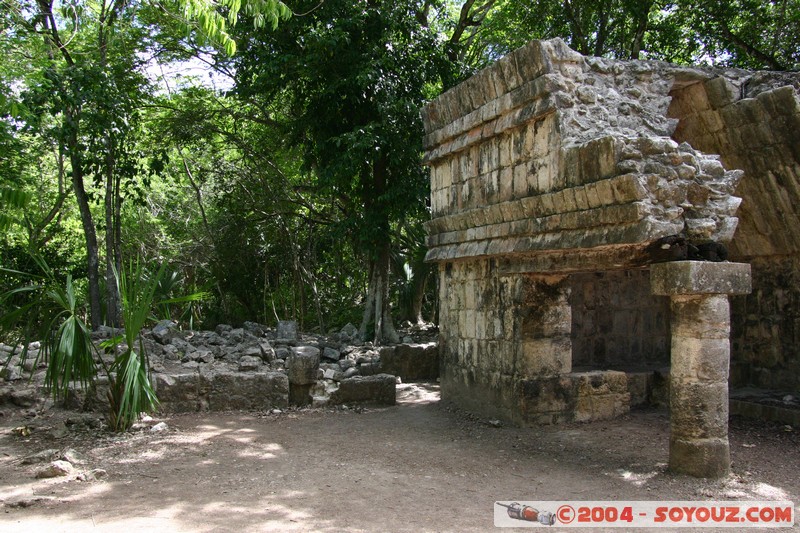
<point>46,309</point>
<point>70,348</point>
<point>131,391</point>
<point>214,19</point>
<point>751,34</point>
<point>11,199</point>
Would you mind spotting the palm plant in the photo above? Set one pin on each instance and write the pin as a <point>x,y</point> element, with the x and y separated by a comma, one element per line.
<point>41,309</point>
<point>131,391</point>
<point>52,314</point>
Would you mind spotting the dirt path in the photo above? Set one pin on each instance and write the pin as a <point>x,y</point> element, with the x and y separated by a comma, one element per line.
<point>418,466</point>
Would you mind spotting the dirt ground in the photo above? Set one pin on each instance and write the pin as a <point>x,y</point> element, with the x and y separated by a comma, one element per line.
<point>418,466</point>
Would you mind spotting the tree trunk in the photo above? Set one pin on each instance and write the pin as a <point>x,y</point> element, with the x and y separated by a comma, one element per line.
<point>93,261</point>
<point>112,294</point>
<point>419,284</point>
<point>641,28</point>
<point>378,308</point>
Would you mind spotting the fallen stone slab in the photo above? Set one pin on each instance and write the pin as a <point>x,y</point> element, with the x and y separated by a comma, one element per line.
<point>251,391</point>
<point>379,389</point>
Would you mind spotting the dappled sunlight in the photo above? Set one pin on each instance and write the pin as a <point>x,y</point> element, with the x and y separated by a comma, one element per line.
<point>147,455</point>
<point>261,451</point>
<point>418,393</point>
<point>637,479</point>
<point>770,492</point>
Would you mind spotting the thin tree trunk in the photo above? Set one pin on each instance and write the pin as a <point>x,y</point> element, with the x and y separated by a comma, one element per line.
<point>369,304</point>
<point>378,291</point>
<point>93,261</point>
<point>602,32</point>
<point>641,28</point>
<point>419,284</point>
<point>378,310</point>
<point>112,294</point>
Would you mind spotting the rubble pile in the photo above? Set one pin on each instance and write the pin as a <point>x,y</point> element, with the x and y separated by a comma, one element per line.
<point>255,367</point>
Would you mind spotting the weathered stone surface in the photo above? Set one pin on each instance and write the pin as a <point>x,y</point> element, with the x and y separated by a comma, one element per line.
<point>700,351</point>
<point>765,327</point>
<point>164,331</point>
<point>302,365</point>
<point>179,393</point>
<point>349,331</point>
<point>252,391</point>
<point>249,363</point>
<point>10,373</point>
<point>411,362</point>
<point>55,469</point>
<point>330,354</point>
<point>698,409</point>
<point>287,330</point>
<point>378,389</point>
<point>700,457</point>
<point>267,351</point>
<point>534,161</point>
<point>700,277</point>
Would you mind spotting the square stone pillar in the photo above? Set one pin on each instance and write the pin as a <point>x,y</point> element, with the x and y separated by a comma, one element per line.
<point>700,358</point>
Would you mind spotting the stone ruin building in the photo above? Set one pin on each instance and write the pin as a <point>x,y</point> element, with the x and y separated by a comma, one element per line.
<point>596,221</point>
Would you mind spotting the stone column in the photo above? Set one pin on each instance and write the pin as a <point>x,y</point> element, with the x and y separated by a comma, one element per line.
<point>700,358</point>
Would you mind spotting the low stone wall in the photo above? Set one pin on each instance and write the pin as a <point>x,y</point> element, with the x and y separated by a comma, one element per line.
<point>222,391</point>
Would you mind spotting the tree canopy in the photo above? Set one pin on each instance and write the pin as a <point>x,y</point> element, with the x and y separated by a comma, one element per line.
<point>295,188</point>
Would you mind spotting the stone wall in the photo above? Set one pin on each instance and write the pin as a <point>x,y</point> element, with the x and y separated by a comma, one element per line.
<point>766,327</point>
<point>511,353</point>
<point>752,120</point>
<point>617,323</point>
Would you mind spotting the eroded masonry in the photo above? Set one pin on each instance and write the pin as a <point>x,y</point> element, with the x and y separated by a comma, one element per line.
<point>595,221</point>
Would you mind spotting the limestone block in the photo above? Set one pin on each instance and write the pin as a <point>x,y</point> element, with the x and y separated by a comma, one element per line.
<point>178,393</point>
<point>532,60</point>
<point>605,192</point>
<point>599,383</point>
<point>700,316</point>
<point>780,102</point>
<point>708,458</point>
<point>379,389</point>
<point>698,409</point>
<point>520,181</point>
<point>545,357</point>
<point>259,391</point>
<point>700,359</point>
<point>302,365</point>
<point>506,184</point>
<point>699,277</point>
<point>720,92</point>
<point>545,395</point>
<point>601,407</point>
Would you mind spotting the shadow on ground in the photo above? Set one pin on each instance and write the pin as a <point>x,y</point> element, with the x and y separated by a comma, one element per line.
<point>417,466</point>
